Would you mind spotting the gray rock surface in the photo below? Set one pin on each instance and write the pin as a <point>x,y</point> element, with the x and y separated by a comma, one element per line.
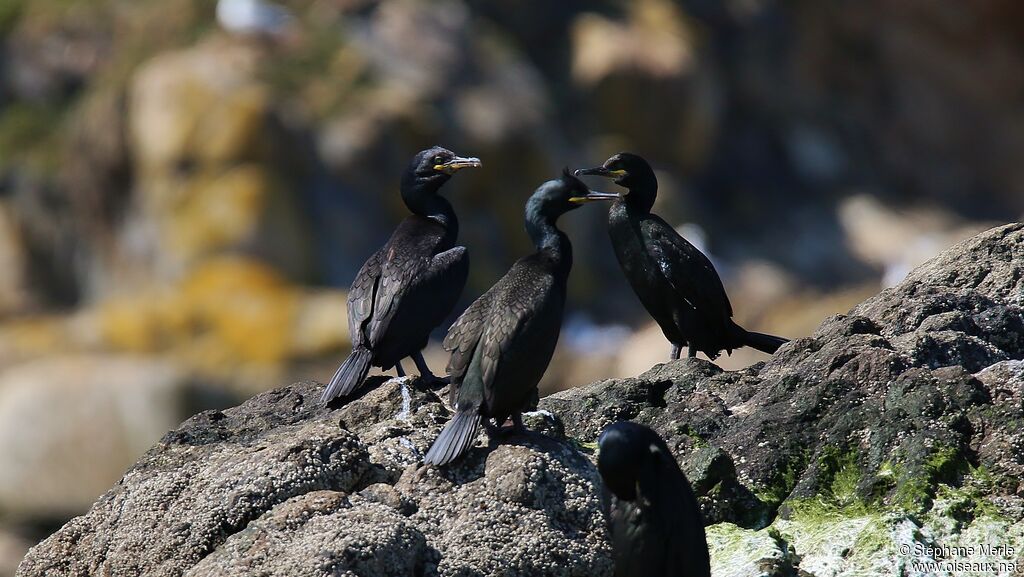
<point>282,486</point>
<point>899,425</point>
<point>892,382</point>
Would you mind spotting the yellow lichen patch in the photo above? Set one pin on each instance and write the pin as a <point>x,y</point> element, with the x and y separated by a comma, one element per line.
<point>227,312</point>
<point>137,323</point>
<point>245,306</point>
<point>217,211</point>
<point>176,95</point>
<point>232,126</point>
<point>32,336</point>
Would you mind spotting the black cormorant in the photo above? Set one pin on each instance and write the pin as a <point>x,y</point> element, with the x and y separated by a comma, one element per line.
<point>676,283</point>
<point>503,343</point>
<point>410,285</point>
<point>657,528</point>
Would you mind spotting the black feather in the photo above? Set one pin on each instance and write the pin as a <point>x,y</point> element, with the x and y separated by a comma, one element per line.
<point>656,525</point>
<point>676,282</point>
<point>409,286</point>
<point>503,343</point>
<point>457,436</point>
<point>349,375</point>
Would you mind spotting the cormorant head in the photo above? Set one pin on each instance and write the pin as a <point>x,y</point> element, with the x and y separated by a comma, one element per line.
<point>631,172</point>
<point>624,448</point>
<point>560,195</point>
<point>433,167</point>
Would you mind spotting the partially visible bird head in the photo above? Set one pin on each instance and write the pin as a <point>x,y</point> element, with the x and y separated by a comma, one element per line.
<point>434,166</point>
<point>627,170</point>
<point>624,448</point>
<point>560,195</point>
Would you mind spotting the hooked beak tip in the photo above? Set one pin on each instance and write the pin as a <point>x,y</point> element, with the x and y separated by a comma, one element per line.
<point>594,197</point>
<point>600,171</point>
<point>458,163</point>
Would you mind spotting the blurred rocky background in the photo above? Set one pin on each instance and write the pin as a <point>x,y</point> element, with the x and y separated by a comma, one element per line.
<point>187,187</point>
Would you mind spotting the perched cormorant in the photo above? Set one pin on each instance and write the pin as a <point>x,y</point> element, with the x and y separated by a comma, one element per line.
<point>503,343</point>
<point>411,284</point>
<point>676,283</point>
<point>657,528</point>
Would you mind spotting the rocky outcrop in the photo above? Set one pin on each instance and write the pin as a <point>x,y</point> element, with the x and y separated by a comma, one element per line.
<point>899,423</point>
<point>889,430</point>
<point>283,485</point>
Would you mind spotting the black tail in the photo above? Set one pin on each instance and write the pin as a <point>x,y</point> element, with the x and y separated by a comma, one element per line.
<point>762,342</point>
<point>457,436</point>
<point>349,375</point>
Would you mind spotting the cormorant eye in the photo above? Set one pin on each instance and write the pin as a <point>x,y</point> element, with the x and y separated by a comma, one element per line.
<point>438,159</point>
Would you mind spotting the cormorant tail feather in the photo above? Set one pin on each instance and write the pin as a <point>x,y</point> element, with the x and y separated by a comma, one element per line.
<point>764,343</point>
<point>349,375</point>
<point>457,436</point>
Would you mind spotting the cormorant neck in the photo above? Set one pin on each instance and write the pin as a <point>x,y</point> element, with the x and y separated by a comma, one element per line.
<point>423,199</point>
<point>642,194</point>
<point>548,239</point>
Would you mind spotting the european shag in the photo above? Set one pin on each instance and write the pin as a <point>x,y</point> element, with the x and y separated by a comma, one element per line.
<point>676,283</point>
<point>657,529</point>
<point>501,346</point>
<point>412,283</point>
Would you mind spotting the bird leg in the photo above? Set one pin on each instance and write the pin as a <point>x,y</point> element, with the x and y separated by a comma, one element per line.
<point>399,369</point>
<point>674,355</point>
<point>426,375</point>
<point>490,428</point>
<point>496,430</point>
<point>691,351</point>
<point>518,428</point>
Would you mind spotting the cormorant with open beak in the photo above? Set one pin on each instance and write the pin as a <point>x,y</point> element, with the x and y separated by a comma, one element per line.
<point>412,283</point>
<point>676,283</point>
<point>501,346</point>
<point>657,529</point>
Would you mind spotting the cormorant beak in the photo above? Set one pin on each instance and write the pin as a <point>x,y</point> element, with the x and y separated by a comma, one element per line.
<point>456,164</point>
<point>600,171</point>
<point>594,196</point>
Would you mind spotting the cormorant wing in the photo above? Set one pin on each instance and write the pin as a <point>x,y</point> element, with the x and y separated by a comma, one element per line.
<point>462,338</point>
<point>406,271</point>
<point>517,303</point>
<point>412,287</point>
<point>631,541</point>
<point>687,269</point>
<point>361,297</point>
<point>674,515</point>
